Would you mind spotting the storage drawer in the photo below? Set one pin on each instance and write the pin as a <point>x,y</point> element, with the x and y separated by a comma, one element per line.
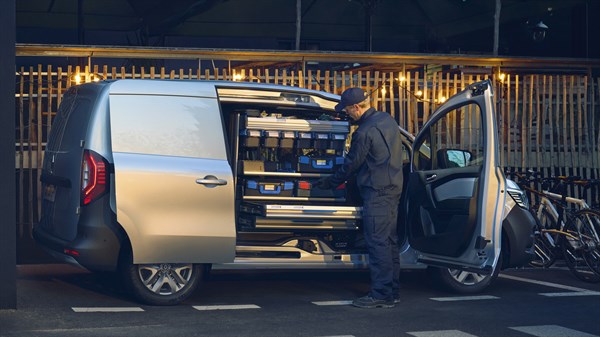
<point>271,187</point>
<point>261,223</point>
<point>250,138</point>
<point>304,188</point>
<point>302,211</point>
<point>322,164</point>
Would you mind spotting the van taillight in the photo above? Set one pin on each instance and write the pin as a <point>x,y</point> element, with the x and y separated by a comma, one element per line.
<point>93,177</point>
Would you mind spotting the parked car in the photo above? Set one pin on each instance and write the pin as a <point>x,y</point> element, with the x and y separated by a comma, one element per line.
<point>162,180</point>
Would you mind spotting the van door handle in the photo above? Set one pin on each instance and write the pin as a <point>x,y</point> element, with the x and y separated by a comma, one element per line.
<point>431,177</point>
<point>211,180</point>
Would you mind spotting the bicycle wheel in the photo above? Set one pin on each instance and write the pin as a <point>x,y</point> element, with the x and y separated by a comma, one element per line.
<point>581,246</point>
<point>544,243</point>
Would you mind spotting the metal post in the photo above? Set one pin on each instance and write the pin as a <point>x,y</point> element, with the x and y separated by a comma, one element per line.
<point>8,224</point>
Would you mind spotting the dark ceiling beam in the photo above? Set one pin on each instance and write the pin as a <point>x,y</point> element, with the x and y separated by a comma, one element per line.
<point>119,52</point>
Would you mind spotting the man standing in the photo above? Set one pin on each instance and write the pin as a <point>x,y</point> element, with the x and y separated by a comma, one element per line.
<point>375,156</point>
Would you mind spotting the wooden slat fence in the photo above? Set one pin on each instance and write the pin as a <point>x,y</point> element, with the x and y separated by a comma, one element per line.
<point>549,123</point>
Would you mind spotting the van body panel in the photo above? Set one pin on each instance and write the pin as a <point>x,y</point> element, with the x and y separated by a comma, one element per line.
<point>162,146</point>
<point>164,88</point>
<point>168,216</point>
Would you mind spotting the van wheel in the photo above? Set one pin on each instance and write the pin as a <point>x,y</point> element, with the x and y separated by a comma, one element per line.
<point>464,282</point>
<point>162,283</point>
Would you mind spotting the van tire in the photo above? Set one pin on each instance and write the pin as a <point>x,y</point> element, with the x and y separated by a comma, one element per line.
<point>469,283</point>
<point>168,283</point>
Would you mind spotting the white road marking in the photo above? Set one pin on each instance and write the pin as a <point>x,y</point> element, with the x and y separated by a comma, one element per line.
<point>441,333</point>
<point>551,331</point>
<point>464,298</point>
<point>547,284</point>
<point>333,303</point>
<point>225,307</point>
<point>572,293</point>
<point>107,309</point>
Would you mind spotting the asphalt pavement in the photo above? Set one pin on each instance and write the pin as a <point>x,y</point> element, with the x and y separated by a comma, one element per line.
<point>61,300</point>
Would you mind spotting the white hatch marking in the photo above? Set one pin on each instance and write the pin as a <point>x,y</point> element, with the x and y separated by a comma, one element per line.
<point>551,331</point>
<point>464,298</point>
<point>225,307</point>
<point>441,333</point>
<point>107,309</point>
<point>332,302</point>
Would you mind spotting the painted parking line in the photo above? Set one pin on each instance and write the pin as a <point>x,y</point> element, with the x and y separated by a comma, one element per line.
<point>464,298</point>
<point>332,302</point>
<point>107,309</point>
<point>551,331</point>
<point>573,291</point>
<point>440,333</point>
<point>225,307</point>
<point>543,283</point>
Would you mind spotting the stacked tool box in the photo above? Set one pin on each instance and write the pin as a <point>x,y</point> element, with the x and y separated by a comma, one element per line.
<point>280,159</point>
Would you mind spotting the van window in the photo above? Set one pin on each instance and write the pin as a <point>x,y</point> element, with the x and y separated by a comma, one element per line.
<point>167,125</point>
<point>455,140</point>
<point>71,122</point>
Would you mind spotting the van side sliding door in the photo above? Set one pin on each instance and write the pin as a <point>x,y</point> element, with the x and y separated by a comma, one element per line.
<point>173,183</point>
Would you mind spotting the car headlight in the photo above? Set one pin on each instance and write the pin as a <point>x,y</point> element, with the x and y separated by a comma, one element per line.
<point>517,194</point>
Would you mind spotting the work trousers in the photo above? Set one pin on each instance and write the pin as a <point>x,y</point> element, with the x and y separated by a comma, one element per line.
<point>380,213</point>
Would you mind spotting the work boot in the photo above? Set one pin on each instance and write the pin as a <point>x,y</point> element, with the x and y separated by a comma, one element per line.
<point>369,302</point>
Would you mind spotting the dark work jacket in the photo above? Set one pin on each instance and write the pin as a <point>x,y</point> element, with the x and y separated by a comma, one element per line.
<point>375,154</point>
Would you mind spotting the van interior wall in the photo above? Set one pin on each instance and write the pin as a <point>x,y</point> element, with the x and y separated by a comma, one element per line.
<point>548,123</point>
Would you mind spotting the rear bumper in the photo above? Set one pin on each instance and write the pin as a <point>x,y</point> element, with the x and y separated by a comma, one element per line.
<point>96,246</point>
<point>518,227</point>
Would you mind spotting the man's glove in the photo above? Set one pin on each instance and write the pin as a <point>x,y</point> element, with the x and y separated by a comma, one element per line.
<point>323,183</point>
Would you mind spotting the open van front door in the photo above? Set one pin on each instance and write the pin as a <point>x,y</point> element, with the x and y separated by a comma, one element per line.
<point>456,186</point>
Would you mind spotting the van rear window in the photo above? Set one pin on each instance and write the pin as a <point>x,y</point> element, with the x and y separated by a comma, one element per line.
<point>71,122</point>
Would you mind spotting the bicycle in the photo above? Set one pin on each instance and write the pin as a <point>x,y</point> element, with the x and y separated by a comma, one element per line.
<point>574,235</point>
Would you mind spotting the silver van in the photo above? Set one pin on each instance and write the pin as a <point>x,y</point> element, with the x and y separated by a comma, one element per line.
<point>163,180</point>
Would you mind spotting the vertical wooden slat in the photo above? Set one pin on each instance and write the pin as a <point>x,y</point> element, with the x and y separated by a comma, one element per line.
<point>501,124</point>
<point>551,113</point>
<point>326,80</point>
<point>571,123</point>
<point>425,97</point>
<point>580,132</point>
<point>50,99</point>
<point>392,95</point>
<point>30,147</point>
<point>415,109</point>
<point>564,148</point>
<point>374,88</point>
<point>21,200</point>
<point>39,140</point>
<point>586,135</point>
<point>524,124</point>
<point>508,123</point>
<point>401,100</point>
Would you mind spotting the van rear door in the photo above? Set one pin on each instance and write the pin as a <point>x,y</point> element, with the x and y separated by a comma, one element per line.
<point>174,189</point>
<point>61,175</point>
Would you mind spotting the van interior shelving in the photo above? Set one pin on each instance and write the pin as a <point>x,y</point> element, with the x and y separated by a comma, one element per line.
<point>277,154</point>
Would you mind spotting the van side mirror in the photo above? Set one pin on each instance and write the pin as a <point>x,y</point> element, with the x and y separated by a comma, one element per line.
<point>450,158</point>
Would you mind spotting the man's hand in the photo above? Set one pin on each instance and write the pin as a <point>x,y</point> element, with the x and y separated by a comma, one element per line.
<point>323,183</point>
